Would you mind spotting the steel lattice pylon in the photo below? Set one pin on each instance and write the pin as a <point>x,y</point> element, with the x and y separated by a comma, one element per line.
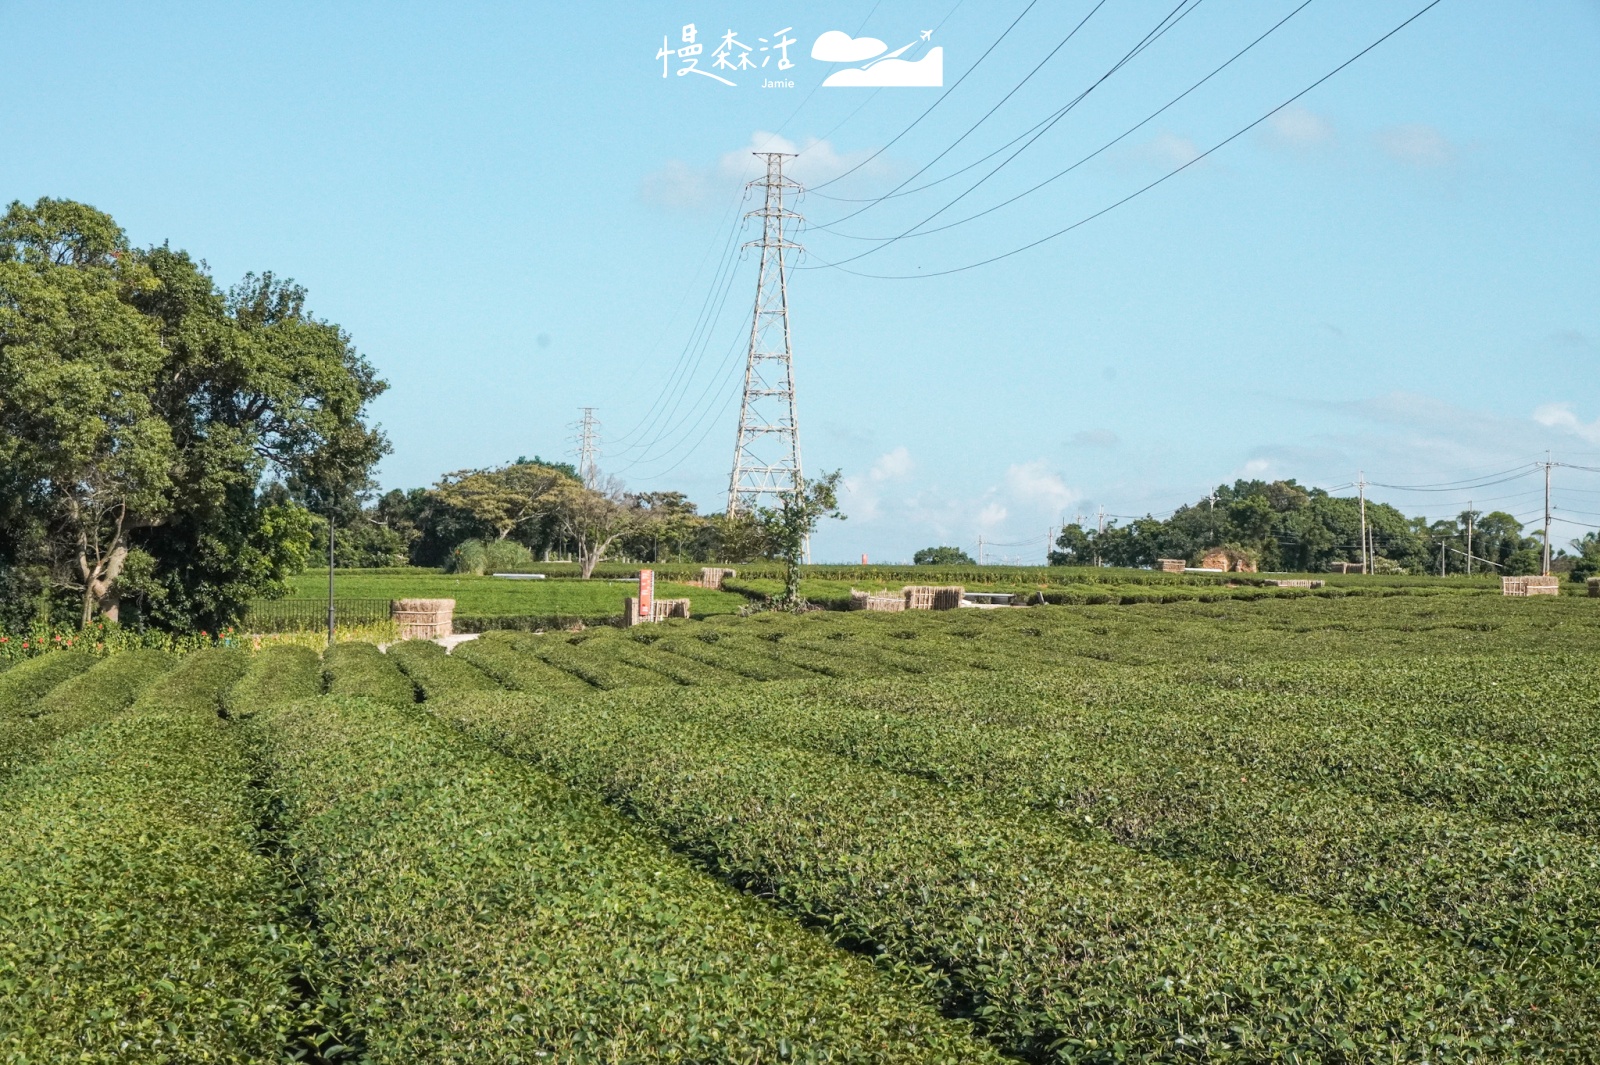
<point>766,459</point>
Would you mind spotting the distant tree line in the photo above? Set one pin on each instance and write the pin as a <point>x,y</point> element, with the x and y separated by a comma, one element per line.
<point>1284,526</point>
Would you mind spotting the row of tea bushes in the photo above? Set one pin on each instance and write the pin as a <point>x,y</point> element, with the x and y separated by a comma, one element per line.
<point>362,669</point>
<point>477,911</point>
<point>1065,947</point>
<point>437,674</point>
<point>138,920</point>
<point>51,704</point>
<point>1511,889</point>
<point>283,673</point>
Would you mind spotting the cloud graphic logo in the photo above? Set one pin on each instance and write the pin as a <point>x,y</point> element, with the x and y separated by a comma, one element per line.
<point>884,70</point>
<point>836,46</point>
<point>925,73</point>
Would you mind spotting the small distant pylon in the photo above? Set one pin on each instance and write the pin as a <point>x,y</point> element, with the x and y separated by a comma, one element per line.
<point>589,448</point>
<point>766,459</point>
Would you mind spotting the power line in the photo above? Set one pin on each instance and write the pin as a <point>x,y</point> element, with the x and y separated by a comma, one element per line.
<point>970,129</point>
<point>1161,180</point>
<point>1167,22</point>
<point>1098,151</point>
<point>942,98</point>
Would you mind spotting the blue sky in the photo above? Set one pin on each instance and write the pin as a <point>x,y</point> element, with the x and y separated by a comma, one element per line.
<point>516,215</point>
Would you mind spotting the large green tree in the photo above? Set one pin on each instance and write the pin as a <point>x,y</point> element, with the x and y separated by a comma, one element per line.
<point>142,409</point>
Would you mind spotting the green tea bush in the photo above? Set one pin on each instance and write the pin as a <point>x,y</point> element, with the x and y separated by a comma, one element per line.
<point>493,654</point>
<point>573,655</point>
<point>362,669</point>
<point>437,674</point>
<point>281,673</point>
<point>110,686</point>
<point>1065,946</point>
<point>139,922</point>
<point>30,679</point>
<point>476,911</point>
<point>200,681</point>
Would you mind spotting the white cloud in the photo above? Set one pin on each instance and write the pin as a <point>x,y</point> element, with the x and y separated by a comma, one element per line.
<point>681,186</point>
<point>1255,469</point>
<point>991,515</point>
<point>1416,144</point>
<point>1298,129</point>
<point>892,465</point>
<point>1032,483</point>
<point>837,46</point>
<point>1166,150</point>
<point>863,497</point>
<point>1561,416</point>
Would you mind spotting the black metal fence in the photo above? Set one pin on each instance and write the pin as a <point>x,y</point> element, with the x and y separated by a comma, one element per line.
<point>297,615</point>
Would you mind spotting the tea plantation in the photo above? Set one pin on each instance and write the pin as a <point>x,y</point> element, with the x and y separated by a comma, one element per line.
<point>1298,828</point>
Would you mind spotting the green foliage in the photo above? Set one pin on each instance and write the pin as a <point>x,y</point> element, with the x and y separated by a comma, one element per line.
<point>492,653</point>
<point>534,924</point>
<point>282,673</point>
<point>140,409</point>
<point>361,669</point>
<point>993,899</point>
<point>111,686</point>
<point>200,682</point>
<point>942,556</point>
<point>22,686</point>
<point>789,526</point>
<point>437,674</point>
<point>480,557</point>
<point>139,921</point>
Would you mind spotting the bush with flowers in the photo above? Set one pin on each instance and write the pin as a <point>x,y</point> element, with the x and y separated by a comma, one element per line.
<point>104,638</point>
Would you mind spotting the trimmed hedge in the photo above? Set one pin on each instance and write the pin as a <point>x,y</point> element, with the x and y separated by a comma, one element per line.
<point>201,681</point>
<point>362,669</point>
<point>1064,946</point>
<point>437,674</point>
<point>281,673</point>
<point>111,685</point>
<point>25,683</point>
<point>574,655</point>
<point>138,923</point>
<point>493,654</point>
<point>476,911</point>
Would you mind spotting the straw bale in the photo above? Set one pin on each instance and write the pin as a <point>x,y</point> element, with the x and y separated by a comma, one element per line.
<point>423,619</point>
<point>1171,565</point>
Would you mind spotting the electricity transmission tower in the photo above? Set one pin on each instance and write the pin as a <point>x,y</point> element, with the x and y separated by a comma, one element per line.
<point>766,459</point>
<point>589,448</point>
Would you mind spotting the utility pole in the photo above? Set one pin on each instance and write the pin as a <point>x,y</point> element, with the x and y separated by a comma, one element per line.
<point>589,449</point>
<point>1547,464</point>
<point>980,549</point>
<point>1361,486</point>
<point>1099,531</point>
<point>1212,498</point>
<point>1470,519</point>
<point>766,457</point>
<point>1441,558</point>
<point>330,575</point>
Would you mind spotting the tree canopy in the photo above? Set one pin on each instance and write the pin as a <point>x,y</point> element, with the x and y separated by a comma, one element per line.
<point>142,410</point>
<point>1288,527</point>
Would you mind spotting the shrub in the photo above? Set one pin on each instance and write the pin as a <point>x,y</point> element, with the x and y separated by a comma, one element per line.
<point>281,673</point>
<point>25,683</point>
<point>139,921</point>
<point>437,674</point>
<point>516,670</point>
<point>1067,944</point>
<point>476,911</point>
<point>111,686</point>
<point>490,556</point>
<point>362,669</point>
<point>200,682</point>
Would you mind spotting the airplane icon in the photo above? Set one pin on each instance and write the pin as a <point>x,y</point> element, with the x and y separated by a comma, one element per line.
<point>927,35</point>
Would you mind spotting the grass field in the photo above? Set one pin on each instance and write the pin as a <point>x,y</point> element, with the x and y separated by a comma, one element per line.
<point>1352,829</point>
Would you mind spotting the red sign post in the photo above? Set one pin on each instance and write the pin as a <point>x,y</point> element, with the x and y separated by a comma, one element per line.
<point>647,594</point>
